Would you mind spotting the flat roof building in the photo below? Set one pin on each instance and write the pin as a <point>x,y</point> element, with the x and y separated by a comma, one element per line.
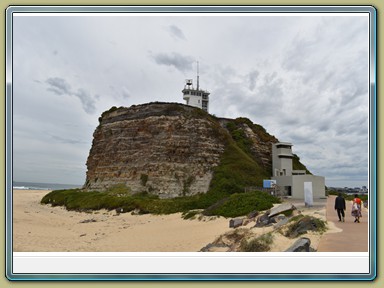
<point>195,96</point>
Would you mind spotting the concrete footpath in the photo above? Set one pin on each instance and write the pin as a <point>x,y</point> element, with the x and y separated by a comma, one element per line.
<point>352,238</point>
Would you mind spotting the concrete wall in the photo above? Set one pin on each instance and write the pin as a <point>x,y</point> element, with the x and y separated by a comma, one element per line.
<point>296,182</point>
<point>318,186</point>
<point>195,101</point>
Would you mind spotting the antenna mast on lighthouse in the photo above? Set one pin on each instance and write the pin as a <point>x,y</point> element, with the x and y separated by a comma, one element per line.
<point>197,88</point>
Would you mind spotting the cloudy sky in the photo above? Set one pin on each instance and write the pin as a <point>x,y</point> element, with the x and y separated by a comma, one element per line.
<point>304,78</point>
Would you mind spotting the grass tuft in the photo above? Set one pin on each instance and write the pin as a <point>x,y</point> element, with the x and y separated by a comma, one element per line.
<point>259,244</point>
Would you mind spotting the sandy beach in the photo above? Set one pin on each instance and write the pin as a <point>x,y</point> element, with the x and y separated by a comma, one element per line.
<point>42,228</point>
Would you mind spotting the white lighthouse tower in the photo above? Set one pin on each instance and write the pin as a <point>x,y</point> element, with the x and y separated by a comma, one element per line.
<point>195,97</point>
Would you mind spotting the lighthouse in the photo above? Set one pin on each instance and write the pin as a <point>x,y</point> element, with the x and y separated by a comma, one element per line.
<point>195,97</point>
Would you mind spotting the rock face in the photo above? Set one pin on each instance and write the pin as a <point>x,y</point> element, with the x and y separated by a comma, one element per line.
<point>164,149</point>
<point>168,149</point>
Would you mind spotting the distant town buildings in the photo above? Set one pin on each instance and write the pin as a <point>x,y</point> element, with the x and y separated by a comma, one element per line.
<point>292,183</point>
<point>348,190</point>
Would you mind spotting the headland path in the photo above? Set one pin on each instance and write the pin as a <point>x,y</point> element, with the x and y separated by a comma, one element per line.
<point>353,237</point>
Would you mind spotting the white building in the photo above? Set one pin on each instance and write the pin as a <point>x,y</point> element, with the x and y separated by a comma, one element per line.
<point>195,97</point>
<point>291,182</point>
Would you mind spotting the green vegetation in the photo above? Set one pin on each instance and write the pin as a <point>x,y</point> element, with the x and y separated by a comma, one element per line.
<point>239,204</point>
<point>238,168</point>
<point>259,244</point>
<point>296,218</point>
<point>78,200</point>
<point>257,129</point>
<point>112,109</point>
<point>236,129</point>
<point>239,136</point>
<point>144,179</point>
<point>300,224</point>
<point>236,171</point>
<point>119,190</point>
<point>187,184</point>
<point>190,214</point>
<point>297,165</point>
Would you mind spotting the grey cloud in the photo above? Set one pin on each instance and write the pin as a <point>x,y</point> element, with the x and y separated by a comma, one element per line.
<point>178,61</point>
<point>67,141</point>
<point>176,32</point>
<point>252,79</point>
<point>87,101</point>
<point>272,90</point>
<point>263,100</point>
<point>298,57</point>
<point>299,139</point>
<point>125,93</point>
<point>61,87</point>
<point>120,93</point>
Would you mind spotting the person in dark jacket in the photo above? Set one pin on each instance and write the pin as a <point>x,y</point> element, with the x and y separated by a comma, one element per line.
<point>340,207</point>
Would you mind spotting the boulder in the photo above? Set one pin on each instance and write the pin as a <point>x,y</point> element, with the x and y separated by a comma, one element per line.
<point>215,248</point>
<point>253,214</point>
<point>234,223</point>
<point>263,220</point>
<point>302,226</point>
<point>301,245</point>
<point>282,222</point>
<point>283,208</point>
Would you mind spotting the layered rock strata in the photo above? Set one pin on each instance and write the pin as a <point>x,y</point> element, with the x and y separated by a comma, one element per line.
<point>165,149</point>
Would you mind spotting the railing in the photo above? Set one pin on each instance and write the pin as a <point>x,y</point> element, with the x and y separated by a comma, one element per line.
<point>275,191</point>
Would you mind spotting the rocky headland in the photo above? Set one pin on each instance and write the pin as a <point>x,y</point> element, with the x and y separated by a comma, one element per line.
<point>170,149</point>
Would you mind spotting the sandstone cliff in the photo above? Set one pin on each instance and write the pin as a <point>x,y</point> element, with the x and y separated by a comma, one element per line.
<point>169,149</point>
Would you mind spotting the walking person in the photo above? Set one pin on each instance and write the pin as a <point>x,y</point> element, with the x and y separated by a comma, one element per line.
<point>356,208</point>
<point>340,207</point>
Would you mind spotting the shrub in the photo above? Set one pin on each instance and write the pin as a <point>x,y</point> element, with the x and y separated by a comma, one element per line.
<point>297,165</point>
<point>240,204</point>
<point>119,190</point>
<point>190,214</point>
<point>302,224</point>
<point>144,179</point>
<point>259,244</point>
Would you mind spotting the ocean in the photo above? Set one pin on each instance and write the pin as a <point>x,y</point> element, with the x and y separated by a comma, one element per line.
<point>42,186</point>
